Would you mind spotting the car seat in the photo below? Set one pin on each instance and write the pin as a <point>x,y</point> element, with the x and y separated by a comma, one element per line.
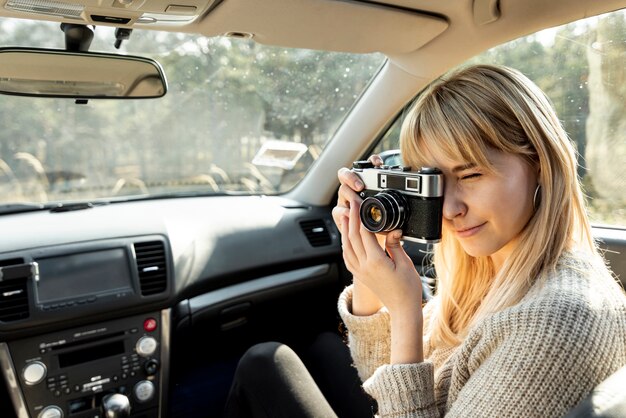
<point>607,400</point>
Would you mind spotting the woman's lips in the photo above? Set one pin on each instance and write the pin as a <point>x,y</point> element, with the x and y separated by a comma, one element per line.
<point>468,232</point>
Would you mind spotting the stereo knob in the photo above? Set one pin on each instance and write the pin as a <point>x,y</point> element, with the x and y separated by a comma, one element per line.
<point>144,391</point>
<point>34,373</point>
<point>146,346</point>
<point>151,367</point>
<point>116,405</point>
<point>51,411</point>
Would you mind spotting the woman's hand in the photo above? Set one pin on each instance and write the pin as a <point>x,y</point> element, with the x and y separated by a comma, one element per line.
<point>367,262</point>
<point>392,279</point>
<point>364,301</point>
<point>390,275</point>
<point>380,279</point>
<point>351,184</point>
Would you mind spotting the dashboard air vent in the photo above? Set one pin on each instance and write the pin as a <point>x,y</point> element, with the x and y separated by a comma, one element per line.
<point>151,266</point>
<point>13,295</point>
<point>316,232</point>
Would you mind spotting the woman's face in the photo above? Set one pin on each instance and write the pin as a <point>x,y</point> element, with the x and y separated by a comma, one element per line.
<point>486,211</point>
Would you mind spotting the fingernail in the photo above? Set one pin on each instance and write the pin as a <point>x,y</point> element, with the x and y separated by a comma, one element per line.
<point>359,184</point>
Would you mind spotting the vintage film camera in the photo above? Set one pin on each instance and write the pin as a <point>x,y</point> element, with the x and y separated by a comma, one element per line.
<point>397,198</point>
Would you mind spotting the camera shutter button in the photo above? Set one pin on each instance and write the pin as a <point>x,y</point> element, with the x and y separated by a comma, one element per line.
<point>362,164</point>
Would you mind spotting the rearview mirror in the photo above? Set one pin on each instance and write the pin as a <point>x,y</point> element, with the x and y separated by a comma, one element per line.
<point>87,75</point>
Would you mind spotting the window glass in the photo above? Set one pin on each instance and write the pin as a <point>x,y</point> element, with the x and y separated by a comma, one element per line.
<point>582,68</point>
<point>239,117</point>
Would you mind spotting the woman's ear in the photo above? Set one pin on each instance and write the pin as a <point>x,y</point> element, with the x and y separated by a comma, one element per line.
<point>537,169</point>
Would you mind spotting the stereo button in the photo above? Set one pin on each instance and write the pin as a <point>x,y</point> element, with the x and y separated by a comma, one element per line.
<point>151,366</point>
<point>144,391</point>
<point>51,411</point>
<point>146,346</point>
<point>150,324</point>
<point>34,373</point>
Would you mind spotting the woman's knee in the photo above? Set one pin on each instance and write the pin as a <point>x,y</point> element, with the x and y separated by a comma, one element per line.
<point>264,360</point>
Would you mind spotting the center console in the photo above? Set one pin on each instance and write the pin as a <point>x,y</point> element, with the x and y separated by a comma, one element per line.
<point>115,364</point>
<point>73,373</point>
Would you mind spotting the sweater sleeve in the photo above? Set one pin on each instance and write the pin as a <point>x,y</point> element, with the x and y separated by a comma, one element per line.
<point>404,390</point>
<point>398,389</point>
<point>369,337</point>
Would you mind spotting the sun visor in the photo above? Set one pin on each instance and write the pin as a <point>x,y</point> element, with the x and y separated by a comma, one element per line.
<point>351,26</point>
<point>336,25</point>
<point>121,13</point>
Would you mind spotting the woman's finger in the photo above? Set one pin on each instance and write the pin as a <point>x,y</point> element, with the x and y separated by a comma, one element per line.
<point>350,179</point>
<point>349,258</point>
<point>346,195</point>
<point>393,245</point>
<point>354,234</point>
<point>340,215</point>
<point>376,160</point>
<point>370,242</point>
<point>375,254</point>
<point>345,199</point>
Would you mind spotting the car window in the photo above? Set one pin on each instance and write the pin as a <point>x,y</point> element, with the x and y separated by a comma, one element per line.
<point>582,68</point>
<point>239,117</point>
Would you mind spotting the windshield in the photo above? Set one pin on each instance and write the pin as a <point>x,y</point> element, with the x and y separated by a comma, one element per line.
<point>239,117</point>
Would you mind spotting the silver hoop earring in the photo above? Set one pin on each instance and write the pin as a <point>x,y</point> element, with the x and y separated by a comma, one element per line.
<point>537,197</point>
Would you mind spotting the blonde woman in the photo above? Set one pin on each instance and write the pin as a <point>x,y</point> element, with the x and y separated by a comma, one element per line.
<point>526,319</point>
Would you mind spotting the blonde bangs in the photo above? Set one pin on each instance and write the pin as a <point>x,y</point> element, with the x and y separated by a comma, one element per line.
<point>444,125</point>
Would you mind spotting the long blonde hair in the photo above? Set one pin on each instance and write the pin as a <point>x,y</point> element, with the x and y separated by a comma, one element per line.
<point>463,115</point>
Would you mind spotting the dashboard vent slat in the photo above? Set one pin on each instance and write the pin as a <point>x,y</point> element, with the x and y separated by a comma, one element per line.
<point>151,267</point>
<point>316,232</point>
<point>13,296</point>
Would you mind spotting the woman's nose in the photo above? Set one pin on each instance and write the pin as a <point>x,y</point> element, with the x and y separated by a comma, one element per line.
<point>453,204</point>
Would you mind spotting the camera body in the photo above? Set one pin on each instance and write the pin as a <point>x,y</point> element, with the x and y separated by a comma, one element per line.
<point>395,197</point>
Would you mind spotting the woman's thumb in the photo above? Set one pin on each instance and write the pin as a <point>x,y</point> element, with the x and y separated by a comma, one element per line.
<point>393,244</point>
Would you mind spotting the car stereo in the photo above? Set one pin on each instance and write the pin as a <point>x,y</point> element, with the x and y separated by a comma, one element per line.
<point>72,372</point>
<point>53,284</point>
<point>75,277</point>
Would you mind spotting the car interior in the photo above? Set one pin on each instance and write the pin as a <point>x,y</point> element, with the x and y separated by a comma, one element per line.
<point>172,211</point>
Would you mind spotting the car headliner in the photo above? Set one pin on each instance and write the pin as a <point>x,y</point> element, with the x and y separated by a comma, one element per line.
<point>410,32</point>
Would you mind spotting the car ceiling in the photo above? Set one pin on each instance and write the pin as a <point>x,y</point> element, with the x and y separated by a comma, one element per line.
<point>408,31</point>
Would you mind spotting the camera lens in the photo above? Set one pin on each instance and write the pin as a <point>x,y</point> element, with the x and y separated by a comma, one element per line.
<point>384,211</point>
<point>375,214</point>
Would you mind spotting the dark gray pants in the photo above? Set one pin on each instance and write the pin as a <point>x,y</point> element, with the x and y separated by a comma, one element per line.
<point>273,381</point>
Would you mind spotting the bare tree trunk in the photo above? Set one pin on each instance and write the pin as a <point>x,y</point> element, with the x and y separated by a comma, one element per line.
<point>606,125</point>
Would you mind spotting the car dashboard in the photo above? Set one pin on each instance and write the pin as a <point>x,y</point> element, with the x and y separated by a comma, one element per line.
<point>93,302</point>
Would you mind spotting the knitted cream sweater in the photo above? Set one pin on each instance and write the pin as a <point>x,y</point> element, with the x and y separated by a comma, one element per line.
<point>538,358</point>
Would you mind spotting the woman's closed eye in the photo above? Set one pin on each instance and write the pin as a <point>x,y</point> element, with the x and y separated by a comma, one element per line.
<point>471,176</point>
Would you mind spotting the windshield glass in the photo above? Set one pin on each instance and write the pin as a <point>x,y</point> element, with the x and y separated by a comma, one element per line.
<point>238,117</point>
